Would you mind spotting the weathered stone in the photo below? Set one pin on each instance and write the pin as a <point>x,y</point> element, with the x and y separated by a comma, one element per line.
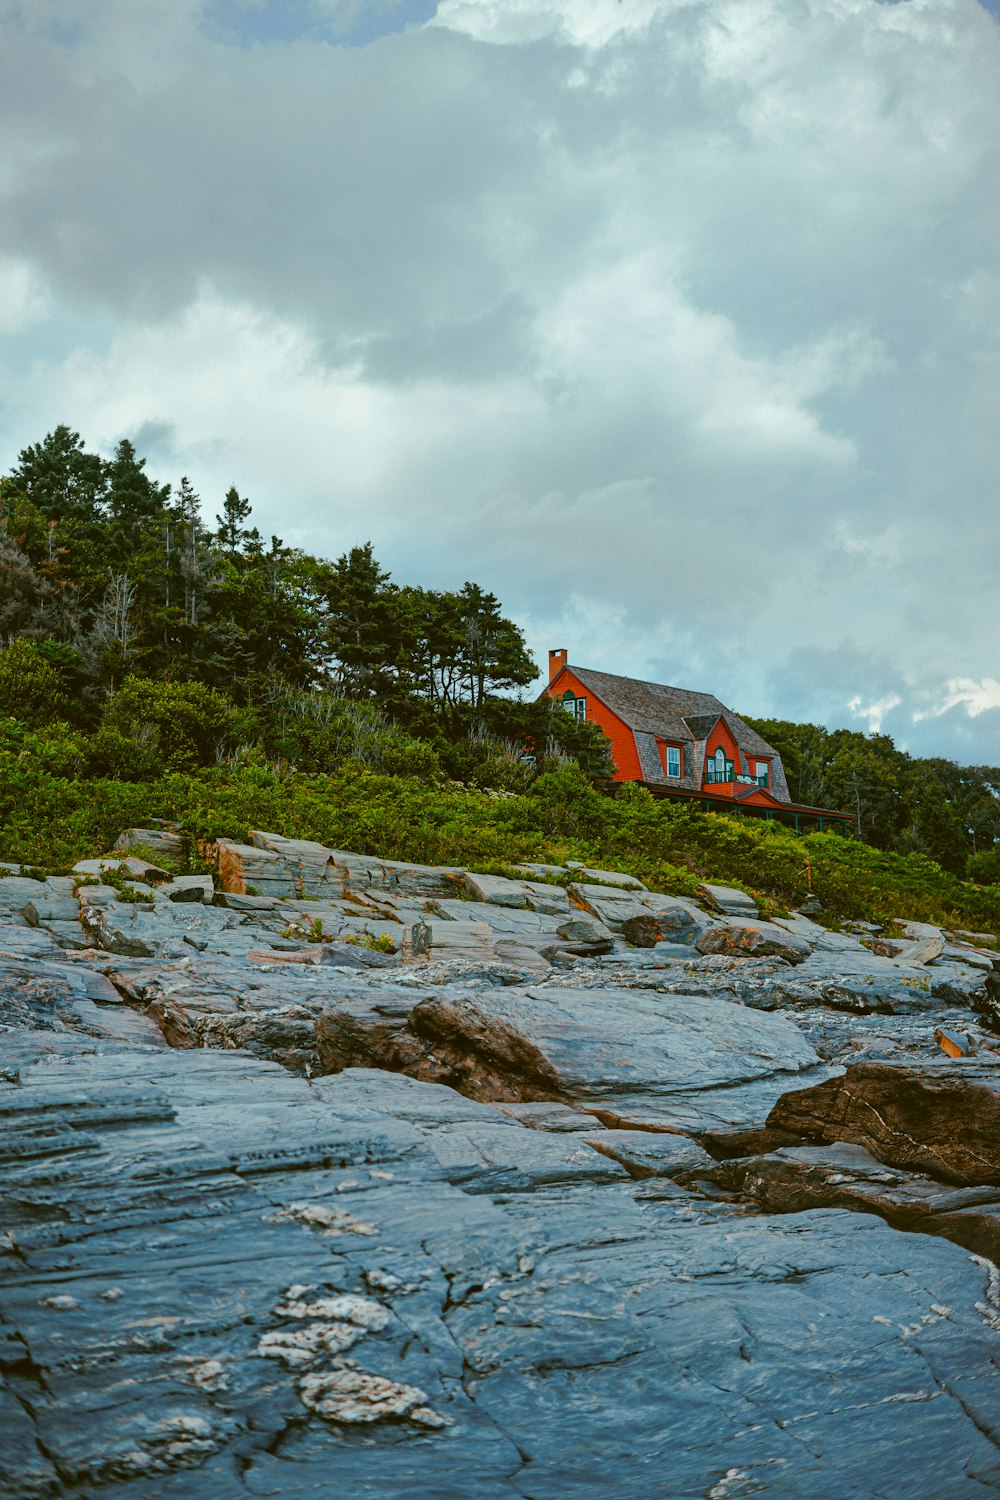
<point>645,1154</point>
<point>920,932</point>
<point>642,931</point>
<point>579,929</point>
<point>129,865</point>
<point>605,877</point>
<point>842,1176</point>
<point>753,940</point>
<point>925,952</point>
<point>483,1276</point>
<point>679,921</point>
<point>729,901</point>
<point>450,939</point>
<point>941,1117</point>
<point>218,1277</point>
<point>53,909</point>
<point>189,888</point>
<point>954,1043</point>
<point>551,900</point>
<point>643,1052</point>
<point>610,907</point>
<point>168,845</point>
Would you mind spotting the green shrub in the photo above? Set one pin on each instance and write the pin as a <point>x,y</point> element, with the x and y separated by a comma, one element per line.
<point>31,688</point>
<point>984,868</point>
<point>172,726</point>
<point>52,816</point>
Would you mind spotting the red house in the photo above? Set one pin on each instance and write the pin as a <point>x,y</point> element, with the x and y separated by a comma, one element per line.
<point>683,745</point>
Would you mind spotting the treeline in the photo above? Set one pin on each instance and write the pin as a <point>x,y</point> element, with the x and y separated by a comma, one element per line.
<point>900,802</point>
<point>110,580</point>
<point>146,642</point>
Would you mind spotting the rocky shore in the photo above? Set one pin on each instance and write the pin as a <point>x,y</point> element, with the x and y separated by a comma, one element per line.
<point>336,1176</point>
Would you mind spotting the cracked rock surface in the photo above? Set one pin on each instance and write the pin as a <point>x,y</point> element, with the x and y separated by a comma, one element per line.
<point>276,1219</point>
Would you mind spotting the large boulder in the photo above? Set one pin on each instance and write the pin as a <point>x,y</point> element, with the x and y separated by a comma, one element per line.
<point>737,939</point>
<point>940,1116</point>
<point>673,1062</point>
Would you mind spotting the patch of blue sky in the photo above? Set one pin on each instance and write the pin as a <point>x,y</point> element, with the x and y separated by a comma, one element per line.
<point>62,30</point>
<point>51,339</point>
<point>345,23</point>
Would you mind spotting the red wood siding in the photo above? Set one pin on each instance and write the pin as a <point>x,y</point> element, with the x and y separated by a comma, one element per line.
<point>624,753</point>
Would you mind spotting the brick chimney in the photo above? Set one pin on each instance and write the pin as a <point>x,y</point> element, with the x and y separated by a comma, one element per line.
<point>557,660</point>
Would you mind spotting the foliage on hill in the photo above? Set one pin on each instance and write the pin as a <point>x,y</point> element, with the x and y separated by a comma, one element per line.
<point>114,578</point>
<point>53,813</point>
<point>158,667</point>
<point>914,806</point>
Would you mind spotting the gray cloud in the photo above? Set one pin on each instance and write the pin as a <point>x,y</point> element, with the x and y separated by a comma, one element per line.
<point>675,323</point>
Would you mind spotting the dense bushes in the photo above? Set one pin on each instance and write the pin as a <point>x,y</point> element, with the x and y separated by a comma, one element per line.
<point>53,815</point>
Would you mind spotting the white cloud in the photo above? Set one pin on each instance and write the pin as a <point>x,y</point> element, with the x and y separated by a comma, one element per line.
<point>591,23</point>
<point>974,698</point>
<point>24,297</point>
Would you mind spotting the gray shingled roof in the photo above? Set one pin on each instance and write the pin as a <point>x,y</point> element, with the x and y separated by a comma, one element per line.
<point>652,708</point>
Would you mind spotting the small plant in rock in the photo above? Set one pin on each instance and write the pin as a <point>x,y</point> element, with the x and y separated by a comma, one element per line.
<point>315,932</point>
<point>381,944</point>
<point>117,876</point>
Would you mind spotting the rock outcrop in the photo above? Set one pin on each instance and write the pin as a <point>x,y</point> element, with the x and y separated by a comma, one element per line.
<point>385,1180</point>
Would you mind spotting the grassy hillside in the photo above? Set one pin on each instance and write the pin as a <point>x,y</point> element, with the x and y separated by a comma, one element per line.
<point>51,815</point>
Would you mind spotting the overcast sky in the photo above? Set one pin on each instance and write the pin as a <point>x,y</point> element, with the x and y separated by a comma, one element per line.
<point>673,322</point>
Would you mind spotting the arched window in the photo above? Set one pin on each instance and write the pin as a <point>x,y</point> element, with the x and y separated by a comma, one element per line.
<point>718,767</point>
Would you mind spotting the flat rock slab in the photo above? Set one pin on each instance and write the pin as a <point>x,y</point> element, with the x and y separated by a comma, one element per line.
<point>532,895</point>
<point>240,1284</point>
<point>856,980</point>
<point>726,899</point>
<point>644,1154</point>
<point>606,877</point>
<point>941,1117</point>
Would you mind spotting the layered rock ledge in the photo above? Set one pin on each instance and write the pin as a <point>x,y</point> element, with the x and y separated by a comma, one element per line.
<point>381,1180</point>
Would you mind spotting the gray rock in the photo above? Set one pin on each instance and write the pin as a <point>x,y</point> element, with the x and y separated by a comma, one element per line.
<point>647,1054</point>
<point>51,909</point>
<point>646,1153</point>
<point>189,888</point>
<point>605,877</point>
<point>739,939</point>
<point>550,900</point>
<point>843,1176</point>
<point>448,939</point>
<point>169,846</point>
<point>221,1273</point>
<point>730,902</point>
<point>642,931</point>
<point>940,1116</point>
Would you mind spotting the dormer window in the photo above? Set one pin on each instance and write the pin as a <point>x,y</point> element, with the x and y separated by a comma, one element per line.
<point>672,761</point>
<point>761,772</point>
